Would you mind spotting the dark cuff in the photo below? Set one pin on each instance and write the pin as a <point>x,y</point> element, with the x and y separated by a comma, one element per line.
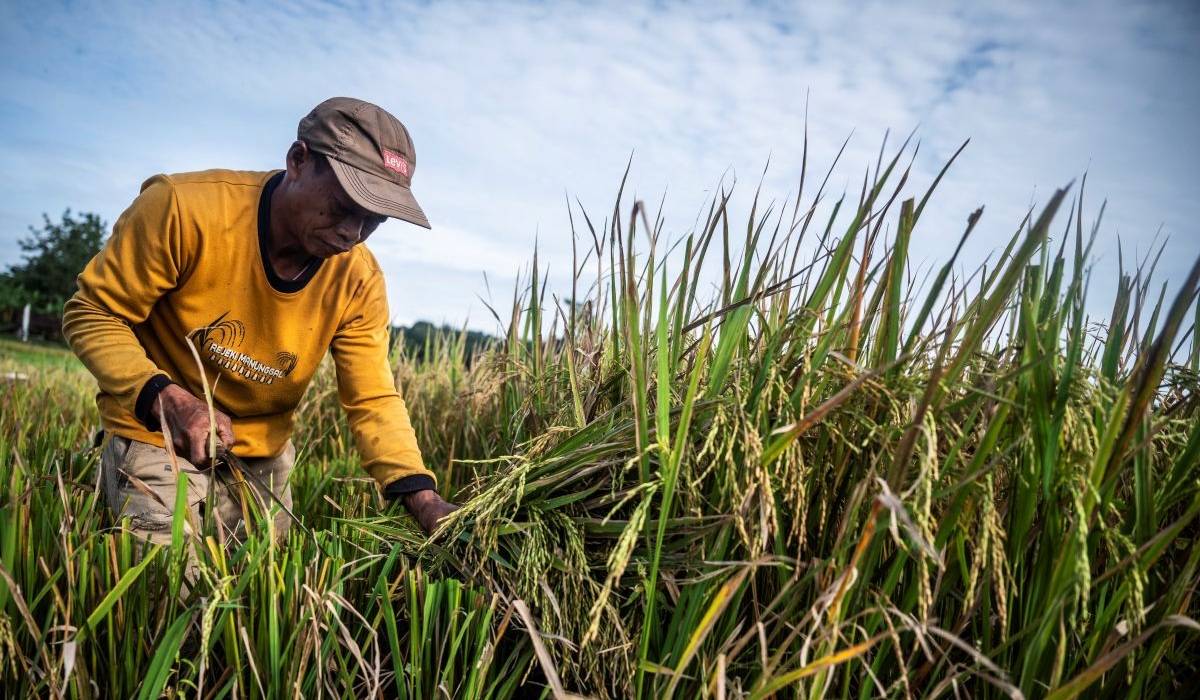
<point>144,408</point>
<point>416,482</point>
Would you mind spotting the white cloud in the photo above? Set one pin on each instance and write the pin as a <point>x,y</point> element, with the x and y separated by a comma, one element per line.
<point>518,107</point>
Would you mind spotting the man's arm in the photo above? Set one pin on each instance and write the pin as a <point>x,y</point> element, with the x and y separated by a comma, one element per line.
<point>142,261</point>
<point>375,410</point>
<point>138,264</point>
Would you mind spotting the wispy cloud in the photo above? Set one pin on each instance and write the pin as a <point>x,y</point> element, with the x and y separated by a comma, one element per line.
<point>519,107</point>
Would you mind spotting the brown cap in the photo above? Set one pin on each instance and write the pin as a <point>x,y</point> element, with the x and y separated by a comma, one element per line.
<point>371,153</point>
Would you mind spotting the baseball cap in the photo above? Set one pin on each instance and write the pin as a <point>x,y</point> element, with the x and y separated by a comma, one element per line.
<point>370,152</point>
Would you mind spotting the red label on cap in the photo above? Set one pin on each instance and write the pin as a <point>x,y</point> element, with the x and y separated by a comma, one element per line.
<point>395,162</point>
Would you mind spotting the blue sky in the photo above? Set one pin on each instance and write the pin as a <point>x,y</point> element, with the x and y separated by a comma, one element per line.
<point>516,107</point>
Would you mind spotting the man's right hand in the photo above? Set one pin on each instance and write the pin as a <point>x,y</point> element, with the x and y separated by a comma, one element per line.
<point>186,417</point>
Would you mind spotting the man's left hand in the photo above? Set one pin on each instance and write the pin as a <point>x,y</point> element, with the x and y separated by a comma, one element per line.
<point>428,508</point>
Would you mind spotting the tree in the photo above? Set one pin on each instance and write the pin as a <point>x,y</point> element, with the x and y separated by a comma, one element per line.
<point>54,255</point>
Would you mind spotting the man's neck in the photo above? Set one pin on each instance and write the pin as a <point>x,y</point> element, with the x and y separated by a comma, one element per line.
<point>284,254</point>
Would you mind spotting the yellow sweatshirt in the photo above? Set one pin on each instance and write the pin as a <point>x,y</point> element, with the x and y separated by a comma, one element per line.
<point>186,270</point>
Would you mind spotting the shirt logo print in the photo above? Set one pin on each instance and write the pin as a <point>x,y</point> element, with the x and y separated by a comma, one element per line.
<point>220,339</point>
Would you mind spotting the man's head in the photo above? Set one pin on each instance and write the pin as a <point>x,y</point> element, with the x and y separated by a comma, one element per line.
<point>370,153</point>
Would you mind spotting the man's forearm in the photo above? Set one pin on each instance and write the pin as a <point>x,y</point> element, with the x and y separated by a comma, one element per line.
<point>109,349</point>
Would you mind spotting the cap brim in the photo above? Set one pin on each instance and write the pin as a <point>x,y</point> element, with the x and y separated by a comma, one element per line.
<point>379,196</point>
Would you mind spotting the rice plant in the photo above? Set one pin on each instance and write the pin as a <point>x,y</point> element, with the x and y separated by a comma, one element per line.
<point>766,459</point>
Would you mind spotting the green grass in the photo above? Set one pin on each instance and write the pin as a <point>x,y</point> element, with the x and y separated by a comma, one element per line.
<point>34,356</point>
<point>759,461</point>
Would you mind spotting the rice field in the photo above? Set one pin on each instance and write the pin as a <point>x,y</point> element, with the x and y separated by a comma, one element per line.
<point>767,459</point>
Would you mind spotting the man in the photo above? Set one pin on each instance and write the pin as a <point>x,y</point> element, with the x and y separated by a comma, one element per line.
<point>241,282</point>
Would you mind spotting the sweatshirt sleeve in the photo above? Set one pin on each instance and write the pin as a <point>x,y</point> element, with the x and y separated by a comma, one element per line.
<point>140,262</point>
<point>367,392</point>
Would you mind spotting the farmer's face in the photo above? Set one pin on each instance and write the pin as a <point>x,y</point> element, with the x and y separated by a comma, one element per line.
<point>328,222</point>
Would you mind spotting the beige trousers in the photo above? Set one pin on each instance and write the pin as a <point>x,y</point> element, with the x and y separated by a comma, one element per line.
<point>139,483</point>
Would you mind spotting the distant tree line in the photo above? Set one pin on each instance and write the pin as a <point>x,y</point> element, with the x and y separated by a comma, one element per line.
<point>424,341</point>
